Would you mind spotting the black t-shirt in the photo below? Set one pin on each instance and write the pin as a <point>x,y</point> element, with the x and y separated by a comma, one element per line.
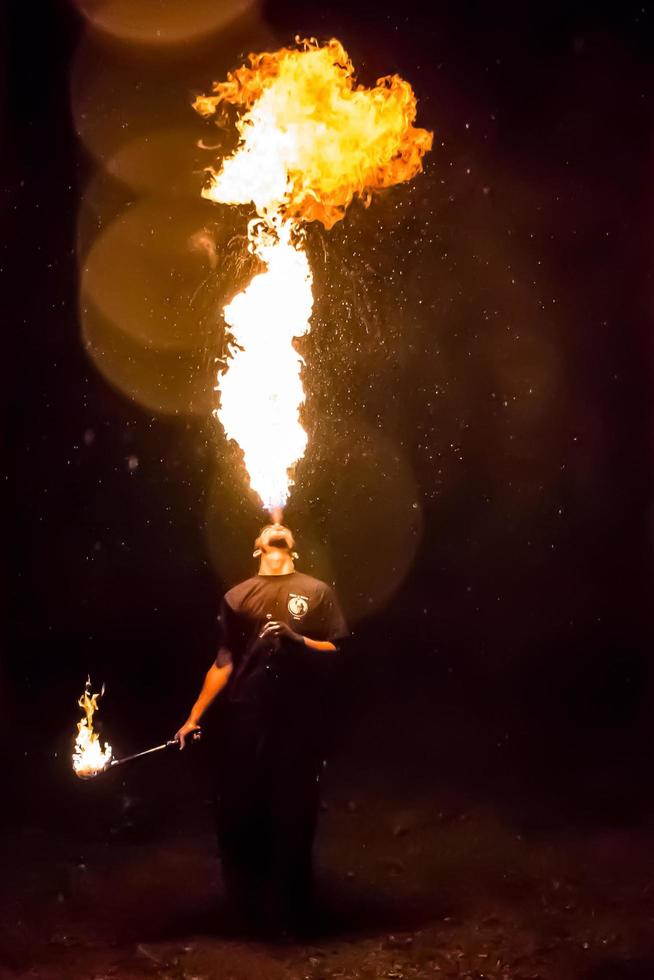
<point>271,670</point>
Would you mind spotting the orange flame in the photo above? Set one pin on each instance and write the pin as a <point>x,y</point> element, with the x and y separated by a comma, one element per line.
<point>89,756</point>
<point>311,140</point>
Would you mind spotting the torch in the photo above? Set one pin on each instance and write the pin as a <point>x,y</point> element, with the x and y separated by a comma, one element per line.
<point>90,757</point>
<point>171,743</point>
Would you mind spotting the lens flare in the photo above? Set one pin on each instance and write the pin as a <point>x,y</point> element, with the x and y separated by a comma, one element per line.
<point>89,756</point>
<point>311,140</point>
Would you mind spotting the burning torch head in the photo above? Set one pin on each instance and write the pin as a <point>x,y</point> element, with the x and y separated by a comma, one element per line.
<point>92,773</point>
<point>274,537</point>
<point>90,757</point>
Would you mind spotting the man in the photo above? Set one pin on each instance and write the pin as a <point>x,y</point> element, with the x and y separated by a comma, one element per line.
<point>279,634</point>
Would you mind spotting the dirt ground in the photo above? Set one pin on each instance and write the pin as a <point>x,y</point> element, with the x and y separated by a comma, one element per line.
<point>413,892</point>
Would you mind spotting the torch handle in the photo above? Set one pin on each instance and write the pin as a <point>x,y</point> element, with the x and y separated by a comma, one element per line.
<point>137,755</point>
<point>157,748</point>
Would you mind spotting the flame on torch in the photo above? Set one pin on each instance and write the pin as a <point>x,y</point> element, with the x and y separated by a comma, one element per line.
<point>311,140</point>
<point>89,756</point>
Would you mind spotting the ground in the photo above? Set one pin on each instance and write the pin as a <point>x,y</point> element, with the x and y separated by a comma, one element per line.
<point>411,891</point>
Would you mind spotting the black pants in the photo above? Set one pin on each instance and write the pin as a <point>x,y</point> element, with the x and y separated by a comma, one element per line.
<point>267,804</point>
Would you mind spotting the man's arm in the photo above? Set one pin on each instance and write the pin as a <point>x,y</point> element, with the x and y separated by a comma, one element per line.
<point>325,645</point>
<point>275,628</point>
<point>214,682</point>
<point>329,623</point>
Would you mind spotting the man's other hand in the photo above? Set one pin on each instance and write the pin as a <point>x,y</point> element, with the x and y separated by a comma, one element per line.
<point>187,729</point>
<point>281,630</point>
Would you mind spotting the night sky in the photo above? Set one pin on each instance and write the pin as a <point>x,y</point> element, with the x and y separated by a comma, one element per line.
<point>478,479</point>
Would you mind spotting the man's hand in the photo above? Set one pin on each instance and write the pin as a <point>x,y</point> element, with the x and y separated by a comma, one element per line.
<point>187,728</point>
<point>281,630</point>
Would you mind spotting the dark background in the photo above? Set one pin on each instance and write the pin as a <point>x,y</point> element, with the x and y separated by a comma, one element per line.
<point>478,479</point>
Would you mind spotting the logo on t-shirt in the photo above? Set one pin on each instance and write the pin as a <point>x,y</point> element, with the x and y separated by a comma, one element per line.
<point>298,605</point>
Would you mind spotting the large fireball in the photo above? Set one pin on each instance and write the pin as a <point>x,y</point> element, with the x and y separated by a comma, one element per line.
<point>311,140</point>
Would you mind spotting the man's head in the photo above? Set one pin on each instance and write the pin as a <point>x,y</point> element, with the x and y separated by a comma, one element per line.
<point>275,547</point>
